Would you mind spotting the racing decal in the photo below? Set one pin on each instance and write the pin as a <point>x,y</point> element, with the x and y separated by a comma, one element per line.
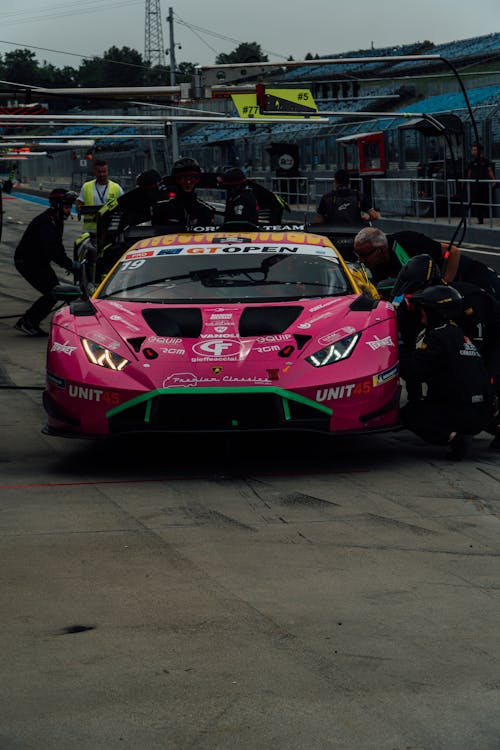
<point>93,394</point>
<point>122,308</point>
<point>340,333</point>
<point>251,379</point>
<point>101,338</point>
<point>170,340</point>
<point>131,265</point>
<point>223,325</point>
<point>311,321</point>
<point>136,254</point>
<point>174,351</point>
<point>322,305</point>
<point>200,250</point>
<point>469,350</point>
<point>56,380</point>
<point>232,249</point>
<point>166,239</point>
<point>346,390</point>
<point>284,228</point>
<point>383,377</point>
<point>272,338</point>
<point>267,349</point>
<point>208,238</point>
<point>380,343</point>
<point>190,380</point>
<point>217,370</point>
<point>217,348</point>
<point>229,240</point>
<point>218,334</point>
<point>65,348</point>
<point>180,380</point>
<point>170,251</point>
<point>126,323</point>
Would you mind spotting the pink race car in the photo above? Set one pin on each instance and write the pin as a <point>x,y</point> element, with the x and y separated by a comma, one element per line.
<point>224,332</point>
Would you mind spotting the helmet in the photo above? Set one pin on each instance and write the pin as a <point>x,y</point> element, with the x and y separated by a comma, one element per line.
<point>61,197</point>
<point>444,302</point>
<point>418,273</point>
<point>150,178</point>
<point>185,165</point>
<point>232,176</point>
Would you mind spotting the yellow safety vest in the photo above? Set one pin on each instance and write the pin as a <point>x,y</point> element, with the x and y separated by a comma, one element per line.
<point>113,192</point>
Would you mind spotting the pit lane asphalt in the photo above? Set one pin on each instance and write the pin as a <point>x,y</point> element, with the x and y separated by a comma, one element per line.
<point>260,593</point>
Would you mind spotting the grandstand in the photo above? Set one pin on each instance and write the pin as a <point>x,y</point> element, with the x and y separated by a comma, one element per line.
<point>389,87</point>
<point>378,89</point>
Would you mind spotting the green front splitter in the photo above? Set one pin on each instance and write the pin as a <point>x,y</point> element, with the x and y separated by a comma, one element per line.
<point>190,392</point>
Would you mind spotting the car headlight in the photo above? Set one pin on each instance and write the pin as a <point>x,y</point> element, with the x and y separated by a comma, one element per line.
<point>335,352</point>
<point>103,357</point>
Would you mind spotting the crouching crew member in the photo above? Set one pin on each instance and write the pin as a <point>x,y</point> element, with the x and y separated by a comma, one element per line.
<point>459,400</point>
<point>40,245</point>
<point>479,319</point>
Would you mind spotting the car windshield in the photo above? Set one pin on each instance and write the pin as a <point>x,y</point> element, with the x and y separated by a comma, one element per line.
<point>213,278</point>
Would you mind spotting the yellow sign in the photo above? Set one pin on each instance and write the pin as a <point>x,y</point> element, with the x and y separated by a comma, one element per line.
<point>284,102</point>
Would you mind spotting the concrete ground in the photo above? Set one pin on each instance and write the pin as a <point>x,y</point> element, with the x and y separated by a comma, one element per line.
<point>297,594</point>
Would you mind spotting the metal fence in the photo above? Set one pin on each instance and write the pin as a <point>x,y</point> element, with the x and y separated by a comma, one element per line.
<point>398,197</point>
<point>433,199</point>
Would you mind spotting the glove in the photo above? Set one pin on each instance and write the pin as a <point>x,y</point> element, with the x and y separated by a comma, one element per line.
<point>76,266</point>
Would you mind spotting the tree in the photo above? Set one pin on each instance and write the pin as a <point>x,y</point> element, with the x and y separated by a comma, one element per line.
<point>20,66</point>
<point>159,75</point>
<point>185,72</point>
<point>246,52</point>
<point>50,76</point>
<point>117,67</point>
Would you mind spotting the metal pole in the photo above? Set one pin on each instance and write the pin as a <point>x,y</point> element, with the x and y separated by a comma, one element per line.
<point>170,19</point>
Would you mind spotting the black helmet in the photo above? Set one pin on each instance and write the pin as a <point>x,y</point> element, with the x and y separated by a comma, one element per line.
<point>232,176</point>
<point>148,179</point>
<point>61,197</point>
<point>418,273</point>
<point>444,302</point>
<point>185,165</point>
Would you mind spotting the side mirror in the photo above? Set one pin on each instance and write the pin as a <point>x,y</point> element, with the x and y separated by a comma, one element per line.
<point>67,292</point>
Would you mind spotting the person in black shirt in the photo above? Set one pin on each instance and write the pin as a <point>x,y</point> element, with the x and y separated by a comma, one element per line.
<point>183,207</point>
<point>480,169</point>
<point>344,205</point>
<point>40,245</point>
<point>459,401</point>
<point>135,206</point>
<point>241,203</point>
<point>385,255</point>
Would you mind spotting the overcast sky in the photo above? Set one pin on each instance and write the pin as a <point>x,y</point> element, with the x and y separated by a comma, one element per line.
<point>89,27</point>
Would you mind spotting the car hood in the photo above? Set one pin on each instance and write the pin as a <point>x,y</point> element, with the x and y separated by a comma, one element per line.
<point>248,324</point>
